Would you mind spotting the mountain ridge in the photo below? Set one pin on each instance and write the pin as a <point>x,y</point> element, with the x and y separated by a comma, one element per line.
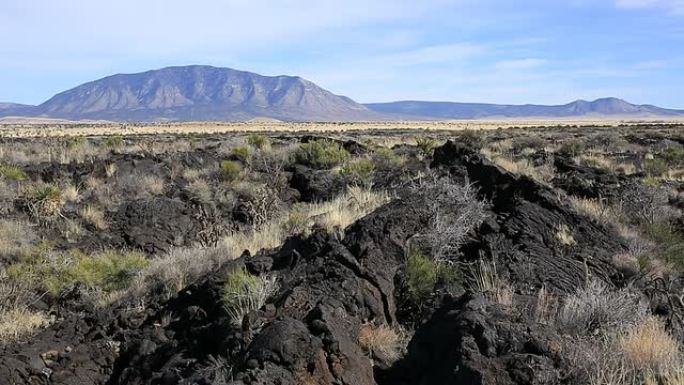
<point>609,106</point>
<point>207,93</point>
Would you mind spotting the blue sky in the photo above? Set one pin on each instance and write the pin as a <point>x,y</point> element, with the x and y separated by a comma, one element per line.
<point>524,51</point>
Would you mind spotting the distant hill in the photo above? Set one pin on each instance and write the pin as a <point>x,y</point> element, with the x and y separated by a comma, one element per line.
<point>14,109</point>
<point>606,107</point>
<point>201,93</point>
<point>204,93</point>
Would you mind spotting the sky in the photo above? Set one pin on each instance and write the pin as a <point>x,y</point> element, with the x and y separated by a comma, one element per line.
<point>494,51</point>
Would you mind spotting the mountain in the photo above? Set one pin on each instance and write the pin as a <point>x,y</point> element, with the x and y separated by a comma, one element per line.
<point>204,93</point>
<point>14,109</point>
<point>605,107</point>
<point>201,93</point>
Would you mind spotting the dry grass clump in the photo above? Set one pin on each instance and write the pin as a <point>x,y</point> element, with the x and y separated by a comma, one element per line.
<point>152,185</point>
<point>16,318</point>
<point>597,308</point>
<point>487,281</point>
<point>70,194</point>
<point>347,209</point>
<point>542,173</point>
<point>382,341</point>
<point>170,273</point>
<point>19,322</point>
<point>649,347</point>
<point>564,235</point>
<point>15,235</point>
<point>111,169</point>
<point>641,354</point>
<point>199,191</point>
<point>94,216</point>
<point>596,209</point>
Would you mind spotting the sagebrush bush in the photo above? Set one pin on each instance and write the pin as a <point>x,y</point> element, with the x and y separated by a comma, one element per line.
<point>387,158</point>
<point>595,307</point>
<point>655,167</point>
<point>527,142</point>
<point>320,154</point>
<point>645,205</point>
<point>114,141</point>
<point>572,147</point>
<point>674,155</point>
<point>230,170</point>
<point>455,211</point>
<point>261,142</point>
<point>243,153</point>
<point>199,191</point>
<point>359,171</point>
<point>472,138</point>
<point>15,235</point>
<point>669,244</point>
<point>244,292</point>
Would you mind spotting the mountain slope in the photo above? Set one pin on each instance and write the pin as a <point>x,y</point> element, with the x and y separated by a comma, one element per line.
<point>204,93</point>
<point>201,93</point>
<point>599,108</point>
<point>14,109</point>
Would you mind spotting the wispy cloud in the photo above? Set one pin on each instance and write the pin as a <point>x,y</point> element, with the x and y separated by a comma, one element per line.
<point>675,7</point>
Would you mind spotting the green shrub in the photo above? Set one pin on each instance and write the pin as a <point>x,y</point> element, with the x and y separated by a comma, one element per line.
<point>44,201</point>
<point>655,167</point>
<point>388,158</point>
<point>114,141</point>
<point>106,271</point>
<point>674,155</point>
<point>244,292</point>
<point>259,141</point>
<point>528,142</point>
<point>421,277</point>
<point>320,154</point>
<point>572,148</point>
<point>74,142</point>
<point>12,172</point>
<point>244,153</point>
<point>297,222</point>
<point>359,171</point>
<point>230,170</point>
<point>426,146</point>
<point>669,243</point>
<point>472,138</point>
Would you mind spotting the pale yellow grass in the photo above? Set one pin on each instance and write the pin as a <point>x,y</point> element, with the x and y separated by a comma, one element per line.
<point>94,216</point>
<point>175,270</point>
<point>650,348</point>
<point>565,236</point>
<point>334,215</point>
<point>595,209</point>
<point>14,234</point>
<point>70,194</point>
<point>19,322</point>
<point>542,174</point>
<point>382,341</point>
<point>49,129</point>
<point>152,184</point>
